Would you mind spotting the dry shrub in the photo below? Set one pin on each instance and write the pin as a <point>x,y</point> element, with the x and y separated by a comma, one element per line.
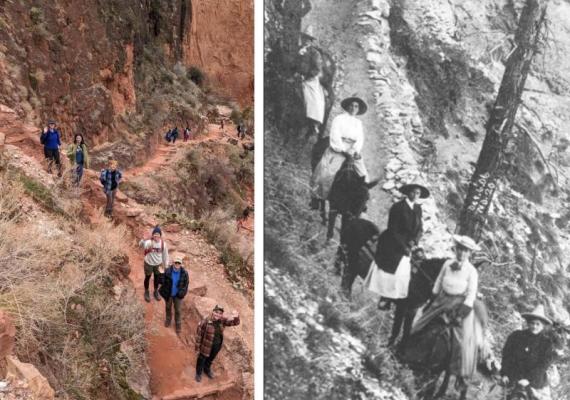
<point>236,254</point>
<point>56,281</point>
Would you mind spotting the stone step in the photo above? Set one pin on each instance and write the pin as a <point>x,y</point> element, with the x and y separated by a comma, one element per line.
<point>201,390</point>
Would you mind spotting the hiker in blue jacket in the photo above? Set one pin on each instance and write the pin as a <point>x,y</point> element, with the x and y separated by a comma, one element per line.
<point>50,138</point>
<point>173,290</point>
<point>110,178</point>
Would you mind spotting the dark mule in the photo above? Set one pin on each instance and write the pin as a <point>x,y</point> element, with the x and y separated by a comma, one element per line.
<point>429,355</point>
<point>359,240</point>
<point>424,274</point>
<point>348,195</point>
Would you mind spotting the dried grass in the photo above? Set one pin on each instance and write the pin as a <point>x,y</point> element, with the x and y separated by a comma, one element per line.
<point>56,281</point>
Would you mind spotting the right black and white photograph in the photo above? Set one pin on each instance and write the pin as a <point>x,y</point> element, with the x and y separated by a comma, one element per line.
<point>416,199</point>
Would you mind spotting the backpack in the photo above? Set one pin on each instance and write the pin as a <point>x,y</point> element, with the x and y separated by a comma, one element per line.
<point>168,136</point>
<point>149,250</point>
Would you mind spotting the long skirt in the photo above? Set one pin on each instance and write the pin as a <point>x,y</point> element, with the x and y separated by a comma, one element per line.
<point>468,337</point>
<point>326,169</point>
<point>392,286</point>
<point>314,96</point>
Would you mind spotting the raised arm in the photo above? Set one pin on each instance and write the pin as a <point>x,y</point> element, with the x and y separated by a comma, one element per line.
<point>471,293</point>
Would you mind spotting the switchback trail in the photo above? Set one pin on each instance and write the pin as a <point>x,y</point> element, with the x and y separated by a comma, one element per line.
<point>171,358</point>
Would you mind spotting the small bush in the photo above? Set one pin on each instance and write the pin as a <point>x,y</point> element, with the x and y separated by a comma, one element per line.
<point>196,75</point>
<point>36,15</point>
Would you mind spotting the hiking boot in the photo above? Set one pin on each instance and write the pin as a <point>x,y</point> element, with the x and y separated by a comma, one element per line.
<point>147,296</point>
<point>167,323</point>
<point>156,295</point>
<point>178,328</point>
<point>198,378</point>
<point>210,375</point>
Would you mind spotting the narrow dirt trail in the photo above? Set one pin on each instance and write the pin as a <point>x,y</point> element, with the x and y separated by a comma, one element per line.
<point>171,357</point>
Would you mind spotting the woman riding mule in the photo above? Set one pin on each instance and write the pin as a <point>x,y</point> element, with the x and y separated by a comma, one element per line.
<point>346,139</point>
<point>454,302</point>
<point>391,277</point>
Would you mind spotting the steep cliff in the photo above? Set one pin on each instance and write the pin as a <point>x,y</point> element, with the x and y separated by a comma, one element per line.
<point>110,69</point>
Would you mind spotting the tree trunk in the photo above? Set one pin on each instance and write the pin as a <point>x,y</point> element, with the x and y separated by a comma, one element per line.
<point>499,126</point>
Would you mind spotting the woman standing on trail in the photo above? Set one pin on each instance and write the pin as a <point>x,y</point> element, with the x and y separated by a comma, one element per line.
<point>392,277</point>
<point>455,292</point>
<point>78,156</point>
<point>346,139</point>
<point>155,255</point>
<point>110,178</point>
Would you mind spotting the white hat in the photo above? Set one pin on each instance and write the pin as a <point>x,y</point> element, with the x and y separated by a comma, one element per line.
<point>467,242</point>
<point>178,259</point>
<point>538,313</point>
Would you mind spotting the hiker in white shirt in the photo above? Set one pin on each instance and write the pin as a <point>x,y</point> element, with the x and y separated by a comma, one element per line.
<point>156,254</point>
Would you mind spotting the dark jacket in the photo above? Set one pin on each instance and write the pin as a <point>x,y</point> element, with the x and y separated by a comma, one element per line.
<point>166,287</point>
<point>51,139</point>
<point>527,356</point>
<point>404,226</point>
<point>205,333</point>
<point>110,180</point>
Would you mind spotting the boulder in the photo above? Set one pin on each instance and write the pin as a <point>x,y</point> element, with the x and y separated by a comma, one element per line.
<point>35,380</point>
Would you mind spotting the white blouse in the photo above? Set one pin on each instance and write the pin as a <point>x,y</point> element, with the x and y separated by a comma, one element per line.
<point>461,282</point>
<point>346,128</point>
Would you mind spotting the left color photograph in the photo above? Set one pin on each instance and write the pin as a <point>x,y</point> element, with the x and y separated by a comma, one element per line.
<point>126,199</point>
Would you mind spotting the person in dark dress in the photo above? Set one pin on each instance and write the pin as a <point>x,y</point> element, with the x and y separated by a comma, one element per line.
<point>403,234</point>
<point>527,355</point>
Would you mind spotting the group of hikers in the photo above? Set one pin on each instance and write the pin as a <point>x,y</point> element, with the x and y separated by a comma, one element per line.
<point>172,134</point>
<point>78,155</point>
<point>527,354</point>
<point>172,286</point>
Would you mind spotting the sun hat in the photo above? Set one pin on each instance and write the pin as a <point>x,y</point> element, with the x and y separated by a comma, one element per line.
<point>467,242</point>
<point>219,308</point>
<point>537,313</point>
<point>362,107</point>
<point>178,259</point>
<point>424,192</point>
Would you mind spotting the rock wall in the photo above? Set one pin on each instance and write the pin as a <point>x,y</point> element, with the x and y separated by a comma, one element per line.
<point>91,66</point>
<point>220,41</point>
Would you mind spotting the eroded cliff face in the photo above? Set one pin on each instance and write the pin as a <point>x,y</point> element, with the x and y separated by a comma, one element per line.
<point>101,67</point>
<point>220,41</point>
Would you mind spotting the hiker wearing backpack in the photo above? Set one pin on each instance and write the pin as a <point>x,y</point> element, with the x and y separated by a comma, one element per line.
<point>110,178</point>
<point>78,156</point>
<point>173,290</point>
<point>50,138</point>
<point>174,134</point>
<point>155,255</point>
<point>186,134</point>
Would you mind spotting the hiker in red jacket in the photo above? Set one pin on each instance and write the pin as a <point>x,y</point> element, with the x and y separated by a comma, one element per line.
<point>209,339</point>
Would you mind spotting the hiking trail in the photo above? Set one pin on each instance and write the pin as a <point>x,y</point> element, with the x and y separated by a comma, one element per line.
<point>171,358</point>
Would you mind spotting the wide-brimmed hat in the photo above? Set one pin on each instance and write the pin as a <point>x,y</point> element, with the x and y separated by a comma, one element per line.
<point>362,107</point>
<point>51,122</point>
<point>424,192</point>
<point>219,308</point>
<point>538,313</point>
<point>466,242</point>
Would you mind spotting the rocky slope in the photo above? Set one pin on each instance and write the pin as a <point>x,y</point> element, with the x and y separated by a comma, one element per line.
<point>429,71</point>
<point>101,68</point>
